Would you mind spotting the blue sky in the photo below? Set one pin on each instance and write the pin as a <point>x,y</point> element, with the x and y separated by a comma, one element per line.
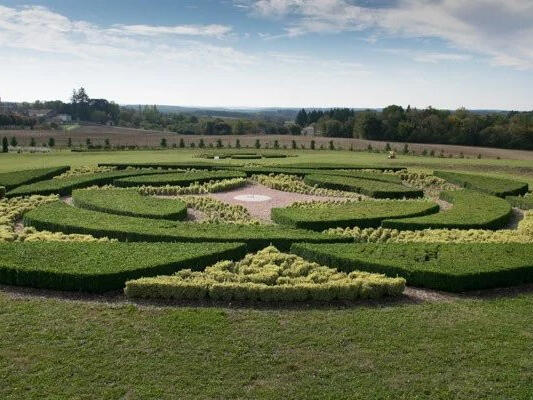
<point>284,53</point>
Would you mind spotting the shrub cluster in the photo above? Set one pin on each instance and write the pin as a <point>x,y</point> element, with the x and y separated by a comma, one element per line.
<point>178,179</point>
<point>195,188</point>
<point>295,184</point>
<point>523,202</point>
<point>59,217</point>
<point>372,188</point>
<point>496,186</point>
<point>129,202</point>
<point>216,211</point>
<point>471,210</point>
<point>11,180</point>
<point>64,187</point>
<point>100,267</point>
<point>523,234</point>
<point>450,267</point>
<point>268,275</point>
<point>83,170</point>
<point>363,214</point>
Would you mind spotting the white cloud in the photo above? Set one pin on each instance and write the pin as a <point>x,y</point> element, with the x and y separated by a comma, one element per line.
<point>217,31</point>
<point>502,30</point>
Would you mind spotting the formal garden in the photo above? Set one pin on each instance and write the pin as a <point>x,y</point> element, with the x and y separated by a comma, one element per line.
<point>259,235</point>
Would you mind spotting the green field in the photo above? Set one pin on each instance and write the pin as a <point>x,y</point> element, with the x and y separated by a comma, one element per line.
<point>85,346</point>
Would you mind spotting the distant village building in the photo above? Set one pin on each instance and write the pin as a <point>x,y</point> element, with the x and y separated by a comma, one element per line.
<point>309,130</point>
<point>40,113</point>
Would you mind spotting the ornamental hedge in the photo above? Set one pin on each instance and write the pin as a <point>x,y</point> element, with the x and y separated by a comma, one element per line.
<point>129,202</point>
<point>2,191</point>
<point>372,188</point>
<point>170,165</point>
<point>65,186</point>
<point>11,180</point>
<point>522,202</point>
<point>100,267</point>
<point>450,267</point>
<point>471,210</point>
<point>496,186</point>
<point>364,214</point>
<point>60,217</point>
<point>325,166</point>
<point>178,178</point>
<point>268,275</point>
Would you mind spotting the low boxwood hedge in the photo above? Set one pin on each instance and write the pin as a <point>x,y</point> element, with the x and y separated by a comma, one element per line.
<point>471,210</point>
<point>170,165</point>
<point>364,214</point>
<point>100,267</point>
<point>246,157</point>
<point>450,267</point>
<point>523,202</point>
<point>11,180</point>
<point>129,202</point>
<point>372,188</point>
<point>325,166</point>
<point>60,217</point>
<point>178,178</point>
<point>64,187</point>
<point>2,191</point>
<point>496,186</point>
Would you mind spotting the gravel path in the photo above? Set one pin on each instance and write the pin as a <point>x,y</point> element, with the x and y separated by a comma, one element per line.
<point>261,209</point>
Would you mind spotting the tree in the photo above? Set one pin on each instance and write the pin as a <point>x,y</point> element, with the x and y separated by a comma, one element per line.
<point>295,129</point>
<point>257,144</point>
<point>69,144</point>
<point>294,145</point>
<point>107,144</point>
<point>301,118</point>
<point>5,145</point>
<point>14,141</point>
<point>331,145</point>
<point>88,142</point>
<point>237,144</point>
<point>32,142</point>
<point>51,142</point>
<point>405,148</point>
<point>312,145</point>
<point>219,144</point>
<point>368,126</point>
<point>182,143</point>
<point>163,142</point>
<point>276,144</point>
<point>202,144</point>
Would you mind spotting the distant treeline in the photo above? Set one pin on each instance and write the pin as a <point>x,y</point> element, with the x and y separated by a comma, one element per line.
<point>394,123</point>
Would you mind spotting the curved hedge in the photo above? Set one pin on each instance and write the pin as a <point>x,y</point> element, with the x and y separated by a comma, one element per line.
<point>129,202</point>
<point>451,267</point>
<point>496,186</point>
<point>364,214</point>
<point>60,217</point>
<point>471,210</point>
<point>309,165</point>
<point>178,179</point>
<point>522,202</point>
<point>65,186</point>
<point>100,267</point>
<point>372,188</point>
<point>170,165</point>
<point>11,180</point>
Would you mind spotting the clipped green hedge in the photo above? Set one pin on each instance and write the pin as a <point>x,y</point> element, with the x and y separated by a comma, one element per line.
<point>129,202</point>
<point>364,214</point>
<point>523,202</point>
<point>496,186</point>
<point>178,179</point>
<point>450,267</point>
<point>372,188</point>
<point>471,210</point>
<point>2,191</point>
<point>325,166</point>
<point>65,186</point>
<point>170,165</point>
<point>11,180</point>
<point>59,217</point>
<point>246,157</point>
<point>100,267</point>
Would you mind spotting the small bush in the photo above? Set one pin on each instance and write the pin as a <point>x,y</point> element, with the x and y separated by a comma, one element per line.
<point>266,276</point>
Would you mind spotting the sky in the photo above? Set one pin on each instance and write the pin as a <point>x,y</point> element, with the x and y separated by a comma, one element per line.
<point>476,54</point>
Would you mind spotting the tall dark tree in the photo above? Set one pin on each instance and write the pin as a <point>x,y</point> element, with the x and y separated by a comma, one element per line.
<point>5,145</point>
<point>302,118</point>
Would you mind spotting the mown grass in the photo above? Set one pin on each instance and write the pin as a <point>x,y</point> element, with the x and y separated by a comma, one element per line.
<point>462,350</point>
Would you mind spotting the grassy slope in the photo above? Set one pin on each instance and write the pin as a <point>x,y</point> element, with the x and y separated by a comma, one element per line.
<point>462,350</point>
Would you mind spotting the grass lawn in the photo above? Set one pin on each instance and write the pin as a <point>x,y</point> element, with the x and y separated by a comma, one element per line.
<point>468,349</point>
